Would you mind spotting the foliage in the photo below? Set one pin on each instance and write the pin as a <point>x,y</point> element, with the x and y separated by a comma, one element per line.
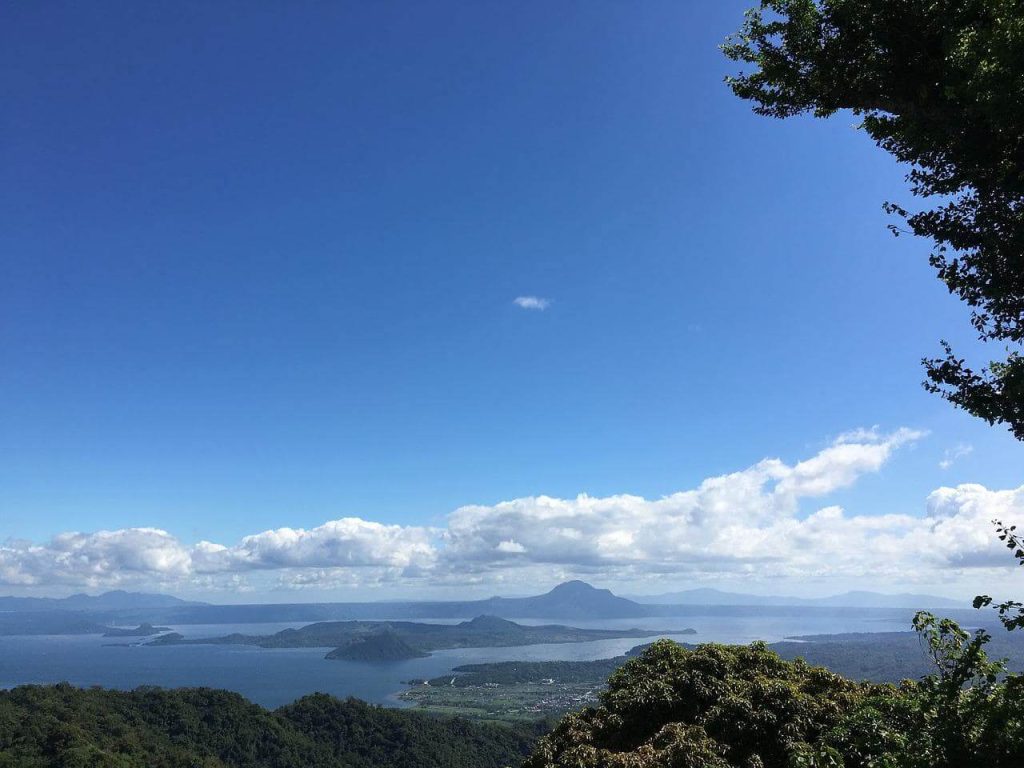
<point>744,707</point>
<point>716,706</point>
<point>1011,612</point>
<point>365,736</point>
<point>967,713</point>
<point>937,84</point>
<point>204,728</point>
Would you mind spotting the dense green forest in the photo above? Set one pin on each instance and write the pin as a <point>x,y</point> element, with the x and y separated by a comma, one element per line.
<point>203,728</point>
<point>719,706</point>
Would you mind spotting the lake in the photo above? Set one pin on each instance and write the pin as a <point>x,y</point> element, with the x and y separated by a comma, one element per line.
<point>277,676</point>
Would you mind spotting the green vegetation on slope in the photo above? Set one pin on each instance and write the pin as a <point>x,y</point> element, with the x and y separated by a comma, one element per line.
<point>383,646</point>
<point>204,728</point>
<point>719,706</point>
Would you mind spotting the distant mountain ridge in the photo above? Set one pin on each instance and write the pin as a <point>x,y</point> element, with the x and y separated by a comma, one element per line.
<point>115,600</point>
<point>572,600</point>
<point>855,599</point>
<point>568,602</point>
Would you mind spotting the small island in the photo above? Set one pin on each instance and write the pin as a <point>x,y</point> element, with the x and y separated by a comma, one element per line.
<point>171,638</point>
<point>380,647</point>
<point>363,640</point>
<point>143,630</point>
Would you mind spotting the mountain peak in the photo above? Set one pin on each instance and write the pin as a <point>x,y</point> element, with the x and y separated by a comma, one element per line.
<point>576,587</point>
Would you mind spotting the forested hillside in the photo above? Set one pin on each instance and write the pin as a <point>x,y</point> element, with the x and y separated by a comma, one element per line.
<point>151,728</point>
<point>719,706</point>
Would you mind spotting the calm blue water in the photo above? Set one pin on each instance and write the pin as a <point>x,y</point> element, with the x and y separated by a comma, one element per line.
<point>273,677</point>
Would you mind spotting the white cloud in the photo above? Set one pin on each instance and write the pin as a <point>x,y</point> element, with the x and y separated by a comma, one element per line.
<point>94,559</point>
<point>749,523</point>
<point>532,302</point>
<point>133,555</point>
<point>850,456</point>
<point>728,522</point>
<point>951,455</point>
<point>510,547</point>
<point>960,530</point>
<point>348,542</point>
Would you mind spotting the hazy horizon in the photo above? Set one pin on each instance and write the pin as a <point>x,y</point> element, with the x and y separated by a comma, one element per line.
<point>367,596</point>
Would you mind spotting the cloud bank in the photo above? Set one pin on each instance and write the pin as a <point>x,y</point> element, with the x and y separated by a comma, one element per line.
<point>749,522</point>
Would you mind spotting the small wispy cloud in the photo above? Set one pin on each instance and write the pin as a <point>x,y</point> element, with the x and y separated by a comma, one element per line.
<point>532,302</point>
<point>949,458</point>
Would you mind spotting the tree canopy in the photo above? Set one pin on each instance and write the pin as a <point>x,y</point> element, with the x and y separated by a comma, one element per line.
<point>940,85</point>
<point>1011,612</point>
<point>722,706</point>
<point>206,728</point>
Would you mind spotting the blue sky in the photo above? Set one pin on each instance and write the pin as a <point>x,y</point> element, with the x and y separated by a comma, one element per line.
<point>258,265</point>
